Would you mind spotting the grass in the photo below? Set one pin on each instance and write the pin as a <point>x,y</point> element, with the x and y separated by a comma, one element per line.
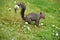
<point>12,27</point>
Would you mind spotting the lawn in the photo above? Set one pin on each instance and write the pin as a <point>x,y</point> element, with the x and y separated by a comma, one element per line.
<point>12,27</point>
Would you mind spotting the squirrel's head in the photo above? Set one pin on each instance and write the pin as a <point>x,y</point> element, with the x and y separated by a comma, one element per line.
<point>19,5</point>
<point>42,15</point>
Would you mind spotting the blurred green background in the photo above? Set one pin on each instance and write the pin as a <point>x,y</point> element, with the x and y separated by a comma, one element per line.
<point>12,27</point>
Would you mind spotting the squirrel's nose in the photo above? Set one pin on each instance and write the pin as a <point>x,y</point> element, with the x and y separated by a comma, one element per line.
<point>44,17</point>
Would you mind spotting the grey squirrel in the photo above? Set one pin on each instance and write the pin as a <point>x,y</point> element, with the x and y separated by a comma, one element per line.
<point>31,16</point>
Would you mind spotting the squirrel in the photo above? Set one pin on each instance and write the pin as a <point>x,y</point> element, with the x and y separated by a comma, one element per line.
<point>31,16</point>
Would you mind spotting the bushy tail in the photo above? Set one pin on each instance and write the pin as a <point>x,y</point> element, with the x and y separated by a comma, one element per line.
<point>16,7</point>
<point>22,13</point>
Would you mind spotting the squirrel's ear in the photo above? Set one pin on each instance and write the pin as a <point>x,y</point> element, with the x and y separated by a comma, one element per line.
<point>40,12</point>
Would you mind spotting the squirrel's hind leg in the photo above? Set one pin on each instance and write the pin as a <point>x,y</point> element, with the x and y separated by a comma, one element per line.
<point>29,21</point>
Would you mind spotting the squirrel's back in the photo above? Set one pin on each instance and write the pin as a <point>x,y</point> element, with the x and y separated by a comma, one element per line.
<point>33,16</point>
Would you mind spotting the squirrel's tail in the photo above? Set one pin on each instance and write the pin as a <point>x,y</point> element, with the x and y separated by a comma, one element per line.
<point>22,13</point>
<point>16,7</point>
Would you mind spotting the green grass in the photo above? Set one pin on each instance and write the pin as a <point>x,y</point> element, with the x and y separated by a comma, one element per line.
<point>12,26</point>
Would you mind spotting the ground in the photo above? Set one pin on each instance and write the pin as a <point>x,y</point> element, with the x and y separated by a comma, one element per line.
<point>12,27</point>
